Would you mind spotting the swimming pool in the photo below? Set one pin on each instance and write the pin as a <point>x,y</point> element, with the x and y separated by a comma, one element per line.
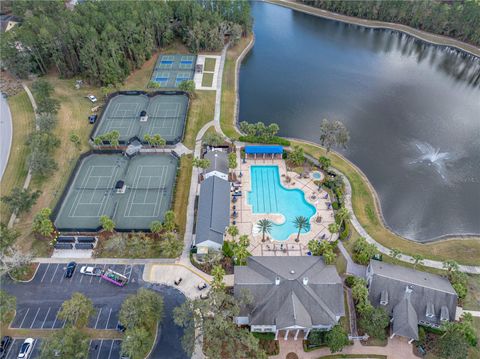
<point>269,196</point>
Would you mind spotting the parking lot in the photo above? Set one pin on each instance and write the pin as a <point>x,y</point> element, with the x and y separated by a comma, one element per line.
<point>99,349</point>
<point>39,301</point>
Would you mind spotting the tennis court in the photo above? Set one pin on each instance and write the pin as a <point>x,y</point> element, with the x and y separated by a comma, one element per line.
<point>148,179</point>
<point>166,116</point>
<point>171,70</point>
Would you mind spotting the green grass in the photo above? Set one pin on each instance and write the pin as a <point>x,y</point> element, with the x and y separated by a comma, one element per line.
<point>209,64</point>
<point>182,190</point>
<point>207,79</point>
<point>200,111</point>
<point>23,120</point>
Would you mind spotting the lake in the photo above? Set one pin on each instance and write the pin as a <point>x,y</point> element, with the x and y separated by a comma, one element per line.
<point>412,109</point>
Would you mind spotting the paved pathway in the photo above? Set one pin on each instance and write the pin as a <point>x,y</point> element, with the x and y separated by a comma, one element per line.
<point>397,348</point>
<point>218,97</point>
<point>5,134</point>
<point>352,267</point>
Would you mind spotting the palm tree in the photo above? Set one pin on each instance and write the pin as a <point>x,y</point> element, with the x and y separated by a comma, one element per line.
<point>265,226</point>
<point>333,228</point>
<point>417,259</point>
<point>300,223</point>
<point>240,253</point>
<point>233,231</point>
<point>343,215</point>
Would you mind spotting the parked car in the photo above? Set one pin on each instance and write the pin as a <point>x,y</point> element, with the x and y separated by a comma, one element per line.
<point>4,345</point>
<point>178,281</point>
<point>202,286</point>
<point>70,269</point>
<point>92,98</point>
<point>92,119</point>
<point>93,271</point>
<point>26,348</point>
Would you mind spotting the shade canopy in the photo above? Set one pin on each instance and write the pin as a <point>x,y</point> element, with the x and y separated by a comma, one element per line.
<point>263,150</point>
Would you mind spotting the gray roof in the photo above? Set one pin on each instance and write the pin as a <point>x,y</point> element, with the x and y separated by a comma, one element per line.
<point>426,289</point>
<point>218,161</point>
<point>291,302</point>
<point>213,210</point>
<point>405,320</point>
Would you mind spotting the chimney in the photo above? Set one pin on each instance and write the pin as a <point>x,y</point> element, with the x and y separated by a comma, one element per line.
<point>305,280</point>
<point>277,280</point>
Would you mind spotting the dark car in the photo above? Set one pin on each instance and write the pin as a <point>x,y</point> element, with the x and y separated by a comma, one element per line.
<point>70,269</point>
<point>92,119</point>
<point>6,341</point>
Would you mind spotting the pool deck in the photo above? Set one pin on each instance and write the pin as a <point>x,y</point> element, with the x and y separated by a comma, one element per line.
<point>246,218</point>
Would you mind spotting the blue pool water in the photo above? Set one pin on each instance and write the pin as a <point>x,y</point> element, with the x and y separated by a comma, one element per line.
<point>269,196</point>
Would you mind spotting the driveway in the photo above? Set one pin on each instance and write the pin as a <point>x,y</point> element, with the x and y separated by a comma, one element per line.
<point>39,301</point>
<point>5,134</point>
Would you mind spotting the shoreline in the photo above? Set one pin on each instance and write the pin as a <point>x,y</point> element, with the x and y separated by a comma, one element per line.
<point>434,39</point>
<point>373,192</point>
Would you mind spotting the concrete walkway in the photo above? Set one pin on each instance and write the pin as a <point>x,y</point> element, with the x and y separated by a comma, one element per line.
<point>218,96</point>
<point>397,348</point>
<point>352,267</point>
<point>6,134</point>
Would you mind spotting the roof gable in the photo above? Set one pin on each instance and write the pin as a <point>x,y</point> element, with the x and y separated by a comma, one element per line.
<point>218,161</point>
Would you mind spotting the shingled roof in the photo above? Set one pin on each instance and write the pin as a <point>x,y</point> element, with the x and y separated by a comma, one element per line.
<point>422,289</point>
<point>290,291</point>
<point>218,161</point>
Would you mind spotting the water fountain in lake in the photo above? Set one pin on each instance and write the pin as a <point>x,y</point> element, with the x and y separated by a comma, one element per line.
<point>431,156</point>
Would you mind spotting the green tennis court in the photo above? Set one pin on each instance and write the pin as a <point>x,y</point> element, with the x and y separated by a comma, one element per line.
<point>166,116</point>
<point>149,180</point>
<point>171,70</point>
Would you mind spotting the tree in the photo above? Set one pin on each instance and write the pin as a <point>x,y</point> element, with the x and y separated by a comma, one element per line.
<point>48,106</point>
<point>8,304</point>
<point>187,86</point>
<point>374,321</point>
<point>42,88</point>
<point>217,283</point>
<point>363,251</point>
<point>457,338</point>
<point>329,256</point>
<point>42,223</point>
<point>395,253</point>
<point>297,155</point>
<point>343,215</point>
<point>169,221</point>
<point>333,228</point>
<point>76,311</point>
<point>232,160</point>
<point>450,265</point>
<point>171,247</point>
<point>136,343</point>
<point>360,291</point>
<point>240,250</point>
<point>158,141</point>
<point>148,139</point>
<point>75,139</point>
<point>202,163</point>
<point>272,130</point>
<point>21,200</point>
<point>156,227</point>
<point>317,247</point>
<point>333,134</point>
<point>108,225</point>
<point>337,339</point>
<point>233,231</point>
<point>41,163</point>
<point>301,223</point>
<point>7,237</point>
<point>325,163</point>
<point>46,122</point>
<point>213,139</point>
<point>142,310</point>
<point>214,319</point>
<point>265,226</point>
<point>417,259</point>
<point>66,343</point>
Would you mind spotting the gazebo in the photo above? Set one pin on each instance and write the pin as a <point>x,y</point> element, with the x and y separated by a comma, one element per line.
<point>273,151</point>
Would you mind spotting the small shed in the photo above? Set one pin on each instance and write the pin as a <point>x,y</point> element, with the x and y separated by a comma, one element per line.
<point>257,151</point>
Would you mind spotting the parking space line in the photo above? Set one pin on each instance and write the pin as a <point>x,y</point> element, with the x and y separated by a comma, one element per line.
<point>33,346</point>
<point>63,277</point>
<point>100,348</point>
<point>10,349</point>
<point>44,274</point>
<point>100,278</point>
<point>55,321</point>
<point>131,271</point>
<point>28,309</point>
<point>110,352</point>
<point>98,317</point>
<point>46,317</point>
<point>109,314</point>
<point>34,318</point>
<point>53,276</point>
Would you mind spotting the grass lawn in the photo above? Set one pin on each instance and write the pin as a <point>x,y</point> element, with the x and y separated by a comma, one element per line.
<point>182,191</point>
<point>207,79</point>
<point>209,64</point>
<point>200,112</point>
<point>23,120</point>
<point>463,251</point>
<point>228,88</point>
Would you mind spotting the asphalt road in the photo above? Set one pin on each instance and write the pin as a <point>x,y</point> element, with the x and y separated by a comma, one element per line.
<point>39,301</point>
<point>5,134</point>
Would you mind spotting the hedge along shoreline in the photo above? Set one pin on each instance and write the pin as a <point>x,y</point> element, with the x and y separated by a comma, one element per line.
<point>465,249</point>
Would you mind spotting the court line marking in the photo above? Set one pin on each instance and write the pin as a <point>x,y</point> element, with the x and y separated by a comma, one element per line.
<point>44,274</point>
<point>34,318</point>
<point>21,324</point>
<point>48,312</point>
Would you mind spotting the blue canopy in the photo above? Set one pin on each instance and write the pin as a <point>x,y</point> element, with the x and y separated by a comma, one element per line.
<point>261,150</point>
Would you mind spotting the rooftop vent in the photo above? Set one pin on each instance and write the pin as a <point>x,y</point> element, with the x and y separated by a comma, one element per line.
<point>444,314</point>
<point>430,312</point>
<point>305,280</point>
<point>277,280</point>
<point>292,272</point>
<point>384,297</point>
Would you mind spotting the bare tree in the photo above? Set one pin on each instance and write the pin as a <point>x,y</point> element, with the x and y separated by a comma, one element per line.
<point>333,133</point>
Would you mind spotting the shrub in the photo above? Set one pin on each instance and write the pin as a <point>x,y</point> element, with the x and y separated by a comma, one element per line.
<point>335,206</point>
<point>317,337</point>
<point>350,281</point>
<point>346,231</point>
<point>227,249</point>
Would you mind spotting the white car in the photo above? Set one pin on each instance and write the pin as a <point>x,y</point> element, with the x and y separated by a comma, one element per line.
<point>26,348</point>
<point>92,98</point>
<point>93,271</point>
